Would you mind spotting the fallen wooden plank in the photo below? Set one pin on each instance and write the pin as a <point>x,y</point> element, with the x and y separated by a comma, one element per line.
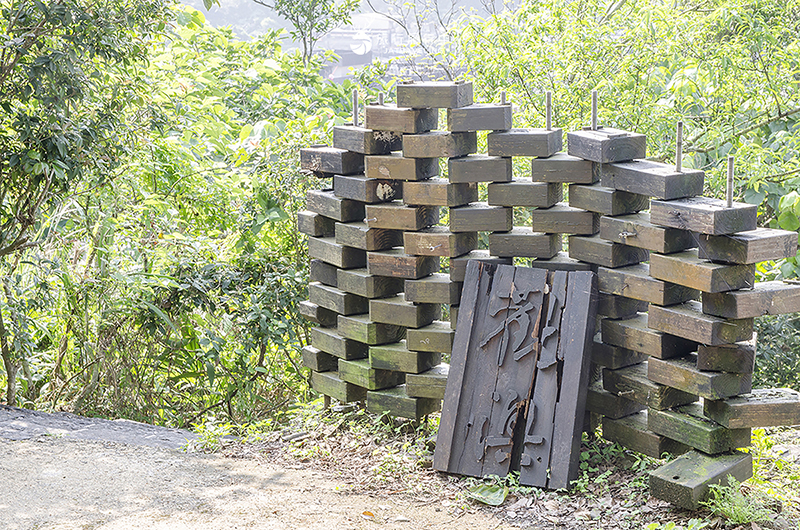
<point>705,215</point>
<point>762,407</point>
<point>682,373</point>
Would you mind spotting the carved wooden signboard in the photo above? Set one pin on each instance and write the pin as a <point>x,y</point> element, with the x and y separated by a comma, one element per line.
<point>518,375</point>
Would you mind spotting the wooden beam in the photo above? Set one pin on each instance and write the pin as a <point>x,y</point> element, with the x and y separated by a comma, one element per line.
<point>606,145</point>
<point>607,201</point>
<point>359,235</point>
<point>687,320</point>
<point>398,357</point>
<point>439,241</point>
<point>522,241</point>
<point>753,246</point>
<point>481,217</point>
<point>632,383</point>
<point>524,142</point>
<point>685,268</point>
<point>434,94</point>
<point>636,230</point>
<point>397,216</point>
<point>762,407</point>
<point>653,179</point>
<point>634,281</point>
<point>401,120</point>
<point>479,117</point>
<point>525,194</point>
<point>365,189</point>
<point>562,168</point>
<point>397,264</point>
<point>479,168</point>
<point>362,329</point>
<point>765,298</point>
<point>604,253</point>
<point>436,144</point>
<point>704,215</point>
<point>396,166</point>
<point>634,334</point>
<point>366,141</point>
<point>682,373</point>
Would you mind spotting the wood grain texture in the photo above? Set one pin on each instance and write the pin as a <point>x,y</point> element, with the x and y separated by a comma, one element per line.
<point>398,311</point>
<point>634,334</point>
<point>365,189</point>
<point>434,94</point>
<point>437,288</point>
<point>397,357</point>
<point>685,268</point>
<point>614,357</point>
<point>688,425</point>
<point>428,384</point>
<point>632,383</point>
<point>564,219</point>
<point>479,117</point>
<point>439,241</point>
<point>606,145</point>
<point>687,320</point>
<point>400,120</point>
<point>329,341</point>
<point>318,360</point>
<point>359,372</point>
<point>319,271</point>
<point>329,251</point>
<point>636,230</point>
<point>314,224</point>
<point>479,168</point>
<point>435,337</point>
<point>325,202</point>
<point>736,358</point>
<point>396,166</point>
<point>632,432</point>
<point>362,283</point>
<point>522,241</point>
<point>614,306</point>
<point>458,266</point>
<point>336,299</point>
<point>525,194</point>
<point>397,264</point>
<point>366,141</point>
<point>329,384</point>
<point>682,373</point>
<point>634,281</point>
<point>607,201</point>
<point>654,179</point>
<point>601,401</point>
<point>397,403</point>
<point>704,215</point>
<point>362,329</point>
<point>480,217</point>
<point>762,407</point>
<point>598,251</point>
<point>397,216</point>
<point>313,312</point>
<point>358,235</point>
<point>524,142</point>
<point>439,192</point>
<point>330,160</point>
<point>752,246</point>
<point>436,144</point>
<point>562,168</point>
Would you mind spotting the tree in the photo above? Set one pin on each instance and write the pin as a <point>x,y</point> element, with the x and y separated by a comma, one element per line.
<point>67,76</point>
<point>312,19</point>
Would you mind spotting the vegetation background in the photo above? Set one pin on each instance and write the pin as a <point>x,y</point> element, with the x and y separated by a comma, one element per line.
<point>149,258</point>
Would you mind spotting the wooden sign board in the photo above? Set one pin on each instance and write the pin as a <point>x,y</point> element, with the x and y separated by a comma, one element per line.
<point>516,391</point>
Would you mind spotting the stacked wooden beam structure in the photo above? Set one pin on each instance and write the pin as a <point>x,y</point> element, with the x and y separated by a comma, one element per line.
<point>678,295</point>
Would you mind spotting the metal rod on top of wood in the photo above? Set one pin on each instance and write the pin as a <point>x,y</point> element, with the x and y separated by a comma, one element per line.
<point>502,97</point>
<point>548,109</point>
<point>594,110</point>
<point>679,148</point>
<point>355,107</point>
<point>380,98</point>
<point>729,190</point>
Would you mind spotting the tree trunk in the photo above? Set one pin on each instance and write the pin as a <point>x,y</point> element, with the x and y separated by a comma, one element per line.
<point>10,366</point>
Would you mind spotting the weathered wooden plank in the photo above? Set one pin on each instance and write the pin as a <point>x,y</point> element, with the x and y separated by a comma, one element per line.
<point>336,299</point>
<point>687,320</point>
<point>752,246</point>
<point>704,214</point>
<point>525,194</point>
<point>765,298</point>
<point>397,216</point>
<point>525,142</point>
<point>396,310</point>
<point>313,312</point>
<point>435,337</point>
<point>314,224</point>
<point>329,251</point>
<point>479,117</point>
<point>365,189</point>
<point>564,219</point>
<point>479,168</point>
<point>362,329</point>
<point>636,230</point>
<point>329,341</point>
<point>359,235</point>
<point>434,289</point>
<point>685,268</point>
<point>682,373</point>
<point>439,241</point>
<point>685,481</point>
<point>601,401</point>
<point>398,357</point>
<point>325,202</point>
<point>397,403</point>
<point>319,271</point>
<point>737,358</point>
<point>608,201</point>
<point>435,94</point>
<point>614,306</point>
<point>439,192</point>
<point>634,334</point>
<point>330,160</point>
<point>762,407</point>
<point>397,264</point>
<point>574,348</point>
<point>522,241</point>
<point>329,384</point>
<point>428,384</point>
<point>458,266</point>
<point>654,179</point>
<point>562,168</point>
<point>436,144</point>
<point>632,383</point>
<point>561,262</point>
<point>606,145</point>
<point>632,432</point>
<point>366,141</point>
<point>594,249</point>
<point>360,373</point>
<point>395,166</point>
<point>318,360</point>
<point>481,217</point>
<point>614,357</point>
<point>688,425</point>
<point>634,281</point>
<point>362,283</point>
<point>401,120</point>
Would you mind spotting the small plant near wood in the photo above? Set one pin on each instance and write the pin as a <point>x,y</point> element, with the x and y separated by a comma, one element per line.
<point>738,508</point>
<point>210,435</point>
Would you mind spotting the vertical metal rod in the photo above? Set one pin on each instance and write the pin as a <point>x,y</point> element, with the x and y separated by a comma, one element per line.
<point>729,191</point>
<point>380,98</point>
<point>594,110</point>
<point>548,110</point>
<point>502,97</point>
<point>355,107</point>
<point>679,148</point>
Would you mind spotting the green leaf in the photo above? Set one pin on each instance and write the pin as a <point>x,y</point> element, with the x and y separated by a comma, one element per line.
<point>160,315</point>
<point>788,221</point>
<point>491,494</point>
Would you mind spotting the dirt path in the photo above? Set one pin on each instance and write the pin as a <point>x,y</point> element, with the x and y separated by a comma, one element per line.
<point>63,482</point>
